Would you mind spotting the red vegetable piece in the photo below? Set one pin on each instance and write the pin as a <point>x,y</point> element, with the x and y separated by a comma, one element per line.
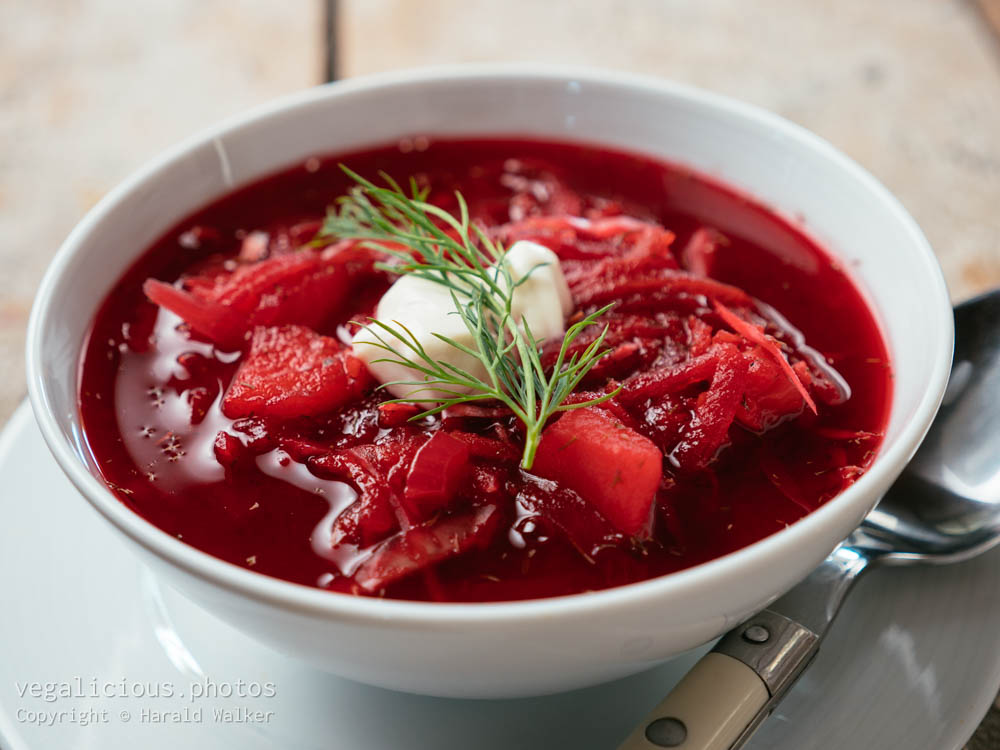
<point>257,434</point>
<point>371,517</point>
<point>489,449</point>
<point>302,450</point>
<point>579,521</point>
<point>366,521</point>
<point>211,320</point>
<point>614,409</point>
<point>390,460</point>
<point>438,472</point>
<point>301,287</point>
<point>649,253</point>
<point>228,449</point>
<point>291,371</point>
<point>757,336</point>
<point>634,339</point>
<point>630,244</point>
<point>673,283</point>
<point>699,336</point>
<point>377,471</point>
<point>537,189</point>
<point>304,288</point>
<point>487,480</point>
<point>659,382</point>
<point>621,360</point>
<point>770,396</point>
<point>698,254</point>
<point>200,399</point>
<point>426,545</point>
<point>708,431</point>
<point>253,439</point>
<point>612,467</point>
<point>395,415</point>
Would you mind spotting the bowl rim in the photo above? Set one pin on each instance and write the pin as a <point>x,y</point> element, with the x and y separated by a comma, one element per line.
<point>310,600</point>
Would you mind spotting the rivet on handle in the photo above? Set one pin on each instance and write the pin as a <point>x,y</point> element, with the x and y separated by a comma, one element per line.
<point>772,645</point>
<point>756,634</point>
<point>667,732</point>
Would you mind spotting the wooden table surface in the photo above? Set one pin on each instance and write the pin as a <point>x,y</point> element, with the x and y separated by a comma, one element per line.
<point>90,90</point>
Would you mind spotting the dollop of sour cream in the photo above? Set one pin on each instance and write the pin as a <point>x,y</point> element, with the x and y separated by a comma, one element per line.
<point>426,308</point>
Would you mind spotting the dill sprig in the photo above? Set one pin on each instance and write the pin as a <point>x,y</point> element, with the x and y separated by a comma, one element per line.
<point>431,243</point>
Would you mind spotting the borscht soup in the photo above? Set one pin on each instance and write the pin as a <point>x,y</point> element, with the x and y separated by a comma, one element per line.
<point>469,370</point>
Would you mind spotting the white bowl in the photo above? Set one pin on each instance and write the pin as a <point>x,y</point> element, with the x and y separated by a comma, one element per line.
<point>531,647</point>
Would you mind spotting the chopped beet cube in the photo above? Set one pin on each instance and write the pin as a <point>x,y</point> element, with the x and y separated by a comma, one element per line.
<point>291,371</point>
<point>426,545</point>
<point>301,287</point>
<point>438,472</point>
<point>612,467</point>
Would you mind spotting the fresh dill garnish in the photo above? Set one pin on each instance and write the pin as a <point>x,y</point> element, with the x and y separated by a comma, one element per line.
<point>432,244</point>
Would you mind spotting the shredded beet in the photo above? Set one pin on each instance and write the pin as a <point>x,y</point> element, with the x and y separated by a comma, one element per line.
<point>757,335</point>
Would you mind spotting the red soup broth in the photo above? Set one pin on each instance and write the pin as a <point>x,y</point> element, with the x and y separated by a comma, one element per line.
<point>151,389</point>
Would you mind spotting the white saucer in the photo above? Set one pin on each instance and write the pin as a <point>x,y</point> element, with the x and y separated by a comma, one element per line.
<point>912,663</point>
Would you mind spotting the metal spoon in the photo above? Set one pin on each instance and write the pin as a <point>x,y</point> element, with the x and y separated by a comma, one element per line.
<point>944,508</point>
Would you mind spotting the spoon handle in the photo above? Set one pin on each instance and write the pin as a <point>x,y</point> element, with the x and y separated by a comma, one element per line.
<point>708,710</point>
<point>732,689</point>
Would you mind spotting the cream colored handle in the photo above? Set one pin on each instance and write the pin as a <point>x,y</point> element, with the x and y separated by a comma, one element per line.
<point>708,710</point>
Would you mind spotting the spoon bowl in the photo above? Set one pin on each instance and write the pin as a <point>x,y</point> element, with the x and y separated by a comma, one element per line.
<point>945,506</point>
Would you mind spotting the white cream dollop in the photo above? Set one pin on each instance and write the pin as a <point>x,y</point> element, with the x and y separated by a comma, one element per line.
<point>426,308</point>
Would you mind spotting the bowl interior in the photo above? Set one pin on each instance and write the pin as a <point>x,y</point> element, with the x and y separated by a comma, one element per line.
<point>785,167</point>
